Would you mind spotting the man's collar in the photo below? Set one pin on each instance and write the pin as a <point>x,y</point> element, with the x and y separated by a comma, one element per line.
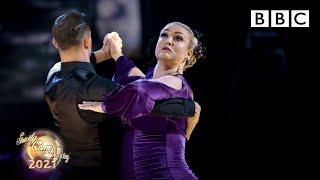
<point>69,66</point>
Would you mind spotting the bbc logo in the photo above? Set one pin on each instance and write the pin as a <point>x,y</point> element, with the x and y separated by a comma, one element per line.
<point>280,18</point>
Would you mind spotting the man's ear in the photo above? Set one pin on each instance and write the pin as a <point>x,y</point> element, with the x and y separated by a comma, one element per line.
<point>87,42</point>
<point>54,43</point>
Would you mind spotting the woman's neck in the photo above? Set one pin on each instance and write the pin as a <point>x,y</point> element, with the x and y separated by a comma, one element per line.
<point>162,70</point>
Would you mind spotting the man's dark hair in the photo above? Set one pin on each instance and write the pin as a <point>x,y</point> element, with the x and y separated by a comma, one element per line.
<point>69,29</point>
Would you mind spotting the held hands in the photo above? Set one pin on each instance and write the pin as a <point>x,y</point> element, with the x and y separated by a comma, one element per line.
<point>193,121</point>
<point>111,48</point>
<point>91,106</point>
<point>113,45</point>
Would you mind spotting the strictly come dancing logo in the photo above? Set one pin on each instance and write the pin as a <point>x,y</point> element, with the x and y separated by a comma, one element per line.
<point>42,150</point>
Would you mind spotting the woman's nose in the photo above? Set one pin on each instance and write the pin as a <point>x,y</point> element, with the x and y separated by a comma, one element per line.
<point>169,41</point>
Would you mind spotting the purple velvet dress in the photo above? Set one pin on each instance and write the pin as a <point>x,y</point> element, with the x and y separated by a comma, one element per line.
<point>154,146</point>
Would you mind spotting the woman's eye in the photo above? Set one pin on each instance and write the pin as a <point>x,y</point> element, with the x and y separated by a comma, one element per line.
<point>163,35</point>
<point>179,38</point>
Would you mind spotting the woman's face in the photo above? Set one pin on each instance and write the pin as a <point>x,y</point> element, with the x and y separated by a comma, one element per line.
<point>173,45</point>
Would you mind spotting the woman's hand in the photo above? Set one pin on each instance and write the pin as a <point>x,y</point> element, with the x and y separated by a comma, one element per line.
<point>193,121</point>
<point>92,106</point>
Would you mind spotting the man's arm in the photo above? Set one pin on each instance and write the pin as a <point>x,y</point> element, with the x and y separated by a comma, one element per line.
<point>98,56</point>
<point>174,108</point>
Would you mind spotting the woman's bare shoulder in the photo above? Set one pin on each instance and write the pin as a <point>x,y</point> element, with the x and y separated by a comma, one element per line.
<point>171,81</point>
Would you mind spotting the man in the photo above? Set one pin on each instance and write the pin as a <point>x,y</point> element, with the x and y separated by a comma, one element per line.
<point>73,81</point>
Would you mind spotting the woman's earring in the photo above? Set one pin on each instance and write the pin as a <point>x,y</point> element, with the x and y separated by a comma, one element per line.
<point>189,62</point>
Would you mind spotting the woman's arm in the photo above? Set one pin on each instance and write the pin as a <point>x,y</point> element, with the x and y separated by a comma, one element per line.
<point>124,65</point>
<point>126,71</point>
<point>136,72</point>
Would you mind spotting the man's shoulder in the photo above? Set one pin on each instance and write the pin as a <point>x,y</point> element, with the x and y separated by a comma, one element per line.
<point>54,69</point>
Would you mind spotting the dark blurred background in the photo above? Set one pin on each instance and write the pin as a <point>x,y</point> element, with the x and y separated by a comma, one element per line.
<point>242,85</point>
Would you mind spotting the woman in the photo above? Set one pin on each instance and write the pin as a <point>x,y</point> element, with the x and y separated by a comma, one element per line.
<point>153,146</point>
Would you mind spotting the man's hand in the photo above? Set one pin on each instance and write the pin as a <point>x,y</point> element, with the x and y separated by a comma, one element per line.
<point>193,121</point>
<point>103,53</point>
<point>91,106</point>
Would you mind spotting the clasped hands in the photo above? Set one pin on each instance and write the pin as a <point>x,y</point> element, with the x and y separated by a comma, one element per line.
<point>111,48</point>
